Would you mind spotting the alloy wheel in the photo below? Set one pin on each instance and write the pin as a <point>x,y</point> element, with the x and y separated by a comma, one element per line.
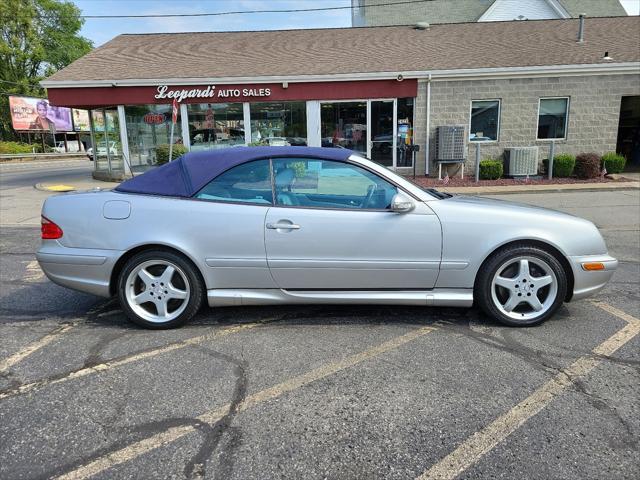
<point>524,288</point>
<point>157,290</point>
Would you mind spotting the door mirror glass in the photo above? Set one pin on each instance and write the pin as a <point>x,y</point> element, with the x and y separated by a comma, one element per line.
<point>402,203</point>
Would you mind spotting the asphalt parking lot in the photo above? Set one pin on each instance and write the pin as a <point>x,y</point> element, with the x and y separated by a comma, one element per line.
<point>322,392</point>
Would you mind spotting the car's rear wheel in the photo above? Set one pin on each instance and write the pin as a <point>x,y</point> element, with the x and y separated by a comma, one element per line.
<point>159,289</point>
<point>521,286</point>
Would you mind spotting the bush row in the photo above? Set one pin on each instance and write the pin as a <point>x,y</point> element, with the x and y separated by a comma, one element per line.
<point>14,148</point>
<point>162,153</point>
<point>584,165</point>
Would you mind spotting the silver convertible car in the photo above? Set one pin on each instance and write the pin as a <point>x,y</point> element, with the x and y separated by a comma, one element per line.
<point>298,225</point>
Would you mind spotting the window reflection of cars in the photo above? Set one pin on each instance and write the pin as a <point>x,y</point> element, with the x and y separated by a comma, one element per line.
<point>276,142</point>
<point>102,149</point>
<point>383,143</point>
<point>478,138</point>
<point>72,146</point>
<point>206,139</point>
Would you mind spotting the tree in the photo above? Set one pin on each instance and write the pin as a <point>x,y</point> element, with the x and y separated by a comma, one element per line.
<point>38,38</point>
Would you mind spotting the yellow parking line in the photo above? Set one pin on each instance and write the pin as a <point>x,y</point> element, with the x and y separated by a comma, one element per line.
<point>101,367</point>
<point>32,347</point>
<point>483,441</point>
<point>143,446</point>
<point>33,272</point>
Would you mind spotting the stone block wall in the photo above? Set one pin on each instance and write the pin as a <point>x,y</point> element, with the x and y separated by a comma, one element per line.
<point>594,112</point>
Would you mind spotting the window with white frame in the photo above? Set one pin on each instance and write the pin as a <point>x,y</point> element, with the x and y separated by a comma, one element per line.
<point>485,121</point>
<point>553,115</point>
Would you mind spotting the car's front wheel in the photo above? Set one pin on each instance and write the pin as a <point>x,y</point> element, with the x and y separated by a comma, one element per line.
<point>521,285</point>
<point>159,289</point>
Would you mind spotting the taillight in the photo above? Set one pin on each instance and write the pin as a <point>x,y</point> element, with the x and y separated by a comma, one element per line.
<point>50,231</point>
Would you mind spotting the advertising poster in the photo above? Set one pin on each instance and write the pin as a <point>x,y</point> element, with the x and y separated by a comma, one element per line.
<point>80,120</point>
<point>36,114</point>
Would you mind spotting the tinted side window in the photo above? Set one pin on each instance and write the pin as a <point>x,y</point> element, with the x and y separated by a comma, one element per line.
<point>326,184</point>
<point>246,183</point>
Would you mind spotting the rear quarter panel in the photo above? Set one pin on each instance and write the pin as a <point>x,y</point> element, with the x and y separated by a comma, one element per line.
<point>232,234</point>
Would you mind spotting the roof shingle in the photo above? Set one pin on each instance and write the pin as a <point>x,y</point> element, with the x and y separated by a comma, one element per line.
<point>357,50</point>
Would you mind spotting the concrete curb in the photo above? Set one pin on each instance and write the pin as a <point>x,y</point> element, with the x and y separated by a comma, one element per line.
<point>558,188</point>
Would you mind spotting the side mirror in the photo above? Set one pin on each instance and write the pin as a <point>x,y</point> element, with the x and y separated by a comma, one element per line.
<point>400,203</point>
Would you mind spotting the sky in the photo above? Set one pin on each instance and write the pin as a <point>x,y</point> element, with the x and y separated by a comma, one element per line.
<point>101,30</point>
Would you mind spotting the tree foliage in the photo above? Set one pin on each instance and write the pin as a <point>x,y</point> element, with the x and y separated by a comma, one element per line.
<point>38,37</point>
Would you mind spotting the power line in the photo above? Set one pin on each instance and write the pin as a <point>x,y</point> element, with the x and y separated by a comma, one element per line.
<point>245,12</point>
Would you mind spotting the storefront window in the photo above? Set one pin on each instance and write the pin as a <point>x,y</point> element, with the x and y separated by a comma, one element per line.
<point>552,118</point>
<point>404,157</point>
<point>485,120</point>
<point>344,124</point>
<point>215,125</point>
<point>106,149</point>
<point>149,126</point>
<point>278,124</point>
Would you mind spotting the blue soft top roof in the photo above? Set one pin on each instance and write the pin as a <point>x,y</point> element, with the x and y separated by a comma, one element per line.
<point>188,174</point>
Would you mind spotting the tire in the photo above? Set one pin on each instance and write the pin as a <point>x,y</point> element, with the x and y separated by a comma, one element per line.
<point>521,286</point>
<point>159,289</point>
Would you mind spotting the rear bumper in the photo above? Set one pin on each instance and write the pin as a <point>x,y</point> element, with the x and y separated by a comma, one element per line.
<point>587,283</point>
<point>86,270</point>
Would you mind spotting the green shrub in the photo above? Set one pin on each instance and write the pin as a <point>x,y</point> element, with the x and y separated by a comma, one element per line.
<point>299,168</point>
<point>14,148</point>
<point>491,169</point>
<point>613,162</point>
<point>587,165</point>
<point>563,165</point>
<point>162,153</point>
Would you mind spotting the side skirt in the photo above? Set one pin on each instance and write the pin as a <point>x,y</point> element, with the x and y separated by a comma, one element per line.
<point>437,297</point>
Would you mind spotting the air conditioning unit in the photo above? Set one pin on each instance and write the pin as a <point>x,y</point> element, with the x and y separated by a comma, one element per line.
<point>450,143</point>
<point>521,161</point>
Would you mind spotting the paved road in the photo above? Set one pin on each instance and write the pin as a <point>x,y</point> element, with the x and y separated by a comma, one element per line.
<point>26,174</point>
<point>322,392</point>
<point>20,203</point>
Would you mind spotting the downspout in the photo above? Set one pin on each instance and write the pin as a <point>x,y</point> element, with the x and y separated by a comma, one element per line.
<point>427,143</point>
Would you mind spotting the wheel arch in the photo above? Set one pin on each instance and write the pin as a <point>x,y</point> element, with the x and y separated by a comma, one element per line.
<point>546,246</point>
<point>119,265</point>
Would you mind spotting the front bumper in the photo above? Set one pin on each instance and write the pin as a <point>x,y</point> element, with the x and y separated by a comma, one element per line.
<point>83,269</point>
<point>587,283</point>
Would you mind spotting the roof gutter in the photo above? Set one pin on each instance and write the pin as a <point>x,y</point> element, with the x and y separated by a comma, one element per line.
<point>435,75</point>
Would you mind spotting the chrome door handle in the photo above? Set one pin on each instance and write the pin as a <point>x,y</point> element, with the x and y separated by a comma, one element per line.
<point>283,226</point>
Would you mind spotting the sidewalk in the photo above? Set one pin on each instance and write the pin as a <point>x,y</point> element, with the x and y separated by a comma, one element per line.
<point>90,184</point>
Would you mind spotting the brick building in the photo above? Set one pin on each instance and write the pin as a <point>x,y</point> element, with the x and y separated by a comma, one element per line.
<point>375,90</point>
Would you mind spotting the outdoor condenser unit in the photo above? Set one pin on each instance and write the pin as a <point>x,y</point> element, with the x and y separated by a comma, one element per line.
<point>450,140</point>
<point>521,161</point>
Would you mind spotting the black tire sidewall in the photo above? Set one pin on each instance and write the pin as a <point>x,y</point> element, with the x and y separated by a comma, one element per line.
<point>196,288</point>
<point>491,265</point>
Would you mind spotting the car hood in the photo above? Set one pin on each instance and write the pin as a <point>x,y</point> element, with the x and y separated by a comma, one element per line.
<point>494,203</point>
<point>492,222</point>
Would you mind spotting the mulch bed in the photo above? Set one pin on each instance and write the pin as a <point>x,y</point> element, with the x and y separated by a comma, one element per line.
<point>469,181</point>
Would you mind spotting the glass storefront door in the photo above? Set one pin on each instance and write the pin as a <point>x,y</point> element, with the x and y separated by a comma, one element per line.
<point>106,148</point>
<point>382,132</point>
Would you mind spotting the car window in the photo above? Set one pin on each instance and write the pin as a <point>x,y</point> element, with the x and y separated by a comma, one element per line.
<point>246,183</point>
<point>318,183</point>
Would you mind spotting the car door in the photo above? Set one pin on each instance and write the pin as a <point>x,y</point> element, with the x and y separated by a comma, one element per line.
<point>331,228</point>
<point>227,230</point>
